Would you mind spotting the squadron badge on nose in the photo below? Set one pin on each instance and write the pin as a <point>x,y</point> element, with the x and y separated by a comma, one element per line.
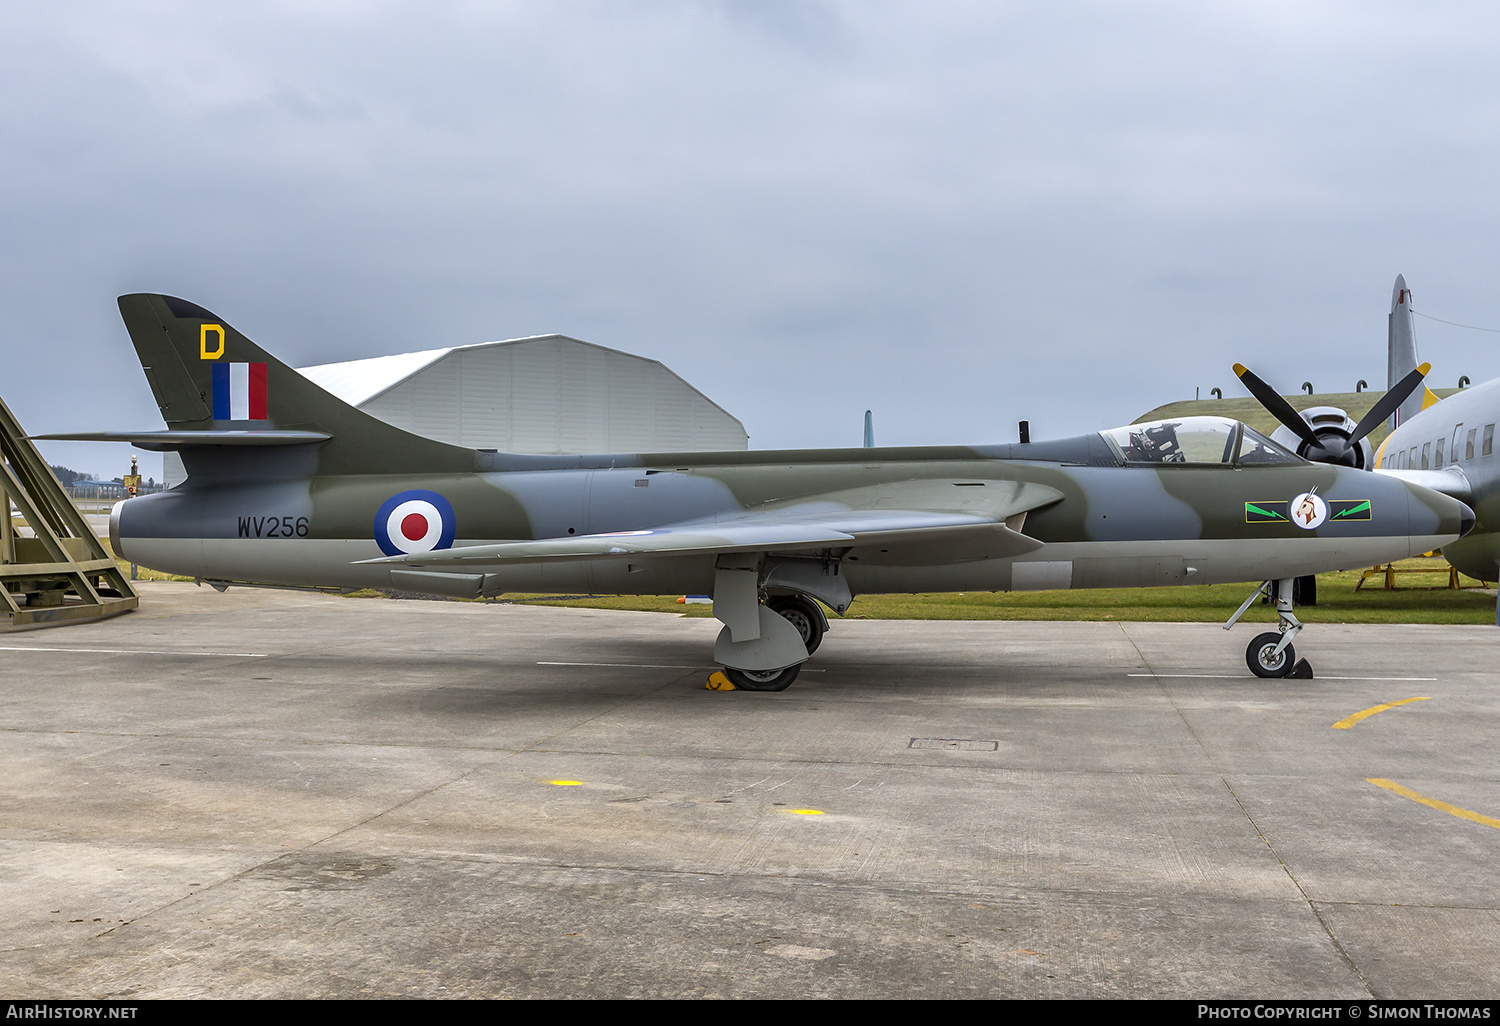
<point>1309,511</point>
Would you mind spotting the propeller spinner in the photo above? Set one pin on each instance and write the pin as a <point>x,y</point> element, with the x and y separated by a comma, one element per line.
<point>1331,441</point>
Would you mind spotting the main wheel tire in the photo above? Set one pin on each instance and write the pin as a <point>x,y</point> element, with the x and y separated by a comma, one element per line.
<point>762,680</point>
<point>803,615</point>
<point>1263,661</point>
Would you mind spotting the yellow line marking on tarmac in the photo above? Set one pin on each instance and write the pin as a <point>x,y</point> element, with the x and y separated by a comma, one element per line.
<point>1365,714</point>
<point>566,783</point>
<point>1452,810</point>
<point>805,812</point>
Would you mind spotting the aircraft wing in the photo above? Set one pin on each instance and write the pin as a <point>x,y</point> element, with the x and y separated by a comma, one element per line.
<point>889,536</point>
<point>1451,481</point>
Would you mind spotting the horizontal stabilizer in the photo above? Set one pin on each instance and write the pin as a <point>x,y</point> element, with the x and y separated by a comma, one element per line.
<point>172,441</point>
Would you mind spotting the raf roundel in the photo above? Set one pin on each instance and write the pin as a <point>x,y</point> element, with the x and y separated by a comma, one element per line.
<point>414,521</point>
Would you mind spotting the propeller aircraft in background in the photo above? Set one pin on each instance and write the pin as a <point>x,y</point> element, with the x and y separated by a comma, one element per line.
<point>289,486</point>
<point>1446,445</point>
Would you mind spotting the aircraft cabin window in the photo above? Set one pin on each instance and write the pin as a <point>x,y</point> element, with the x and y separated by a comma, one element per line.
<point>1489,439</point>
<point>1426,454</point>
<point>1437,462</point>
<point>1469,444</point>
<point>1411,461</point>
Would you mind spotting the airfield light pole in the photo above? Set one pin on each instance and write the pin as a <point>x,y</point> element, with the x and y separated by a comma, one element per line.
<point>132,485</point>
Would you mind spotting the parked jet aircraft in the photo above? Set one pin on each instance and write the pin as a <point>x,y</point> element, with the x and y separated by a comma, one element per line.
<point>289,486</point>
<point>1447,445</point>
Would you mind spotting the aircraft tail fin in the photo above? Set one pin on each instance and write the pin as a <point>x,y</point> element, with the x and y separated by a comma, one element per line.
<point>1402,353</point>
<point>208,379</point>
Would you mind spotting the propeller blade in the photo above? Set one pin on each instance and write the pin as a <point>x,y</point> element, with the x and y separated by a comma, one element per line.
<point>1277,406</point>
<point>1388,403</point>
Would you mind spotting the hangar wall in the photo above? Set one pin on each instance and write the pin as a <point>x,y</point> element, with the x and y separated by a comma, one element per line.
<point>556,395</point>
<point>544,394</point>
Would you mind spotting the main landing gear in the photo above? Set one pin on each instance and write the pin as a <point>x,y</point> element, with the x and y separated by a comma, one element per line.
<point>762,680</point>
<point>804,615</point>
<point>1271,654</point>
<point>764,644</point>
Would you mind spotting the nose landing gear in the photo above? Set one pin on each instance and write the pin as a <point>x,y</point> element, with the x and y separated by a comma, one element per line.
<point>1271,654</point>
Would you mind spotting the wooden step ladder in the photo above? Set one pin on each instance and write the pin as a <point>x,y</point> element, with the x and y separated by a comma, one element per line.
<point>63,574</point>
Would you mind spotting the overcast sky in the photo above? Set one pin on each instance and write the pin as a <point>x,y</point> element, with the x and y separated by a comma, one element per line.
<point>956,214</point>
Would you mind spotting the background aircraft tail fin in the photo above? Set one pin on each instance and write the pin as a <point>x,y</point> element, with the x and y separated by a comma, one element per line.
<point>1402,352</point>
<point>208,377</point>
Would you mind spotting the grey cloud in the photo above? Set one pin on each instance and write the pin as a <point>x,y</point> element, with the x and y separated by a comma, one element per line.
<point>955,214</point>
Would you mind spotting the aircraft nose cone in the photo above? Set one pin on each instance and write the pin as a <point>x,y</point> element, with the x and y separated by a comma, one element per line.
<point>1435,519</point>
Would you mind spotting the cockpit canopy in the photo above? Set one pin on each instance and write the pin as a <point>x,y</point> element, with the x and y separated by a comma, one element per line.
<point>1196,440</point>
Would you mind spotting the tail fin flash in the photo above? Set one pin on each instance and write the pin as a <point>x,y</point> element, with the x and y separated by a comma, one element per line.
<point>1402,353</point>
<point>206,375</point>
<point>209,379</point>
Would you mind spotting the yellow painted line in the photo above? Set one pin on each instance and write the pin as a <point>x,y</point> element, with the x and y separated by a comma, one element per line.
<point>566,783</point>
<point>1452,810</point>
<point>805,812</point>
<point>1364,714</point>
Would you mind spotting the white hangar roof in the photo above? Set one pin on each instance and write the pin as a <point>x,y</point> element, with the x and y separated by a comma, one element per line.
<point>357,381</point>
<point>542,394</point>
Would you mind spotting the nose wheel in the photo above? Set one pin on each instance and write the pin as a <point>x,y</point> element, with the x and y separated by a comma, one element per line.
<point>1265,659</point>
<point>1271,654</point>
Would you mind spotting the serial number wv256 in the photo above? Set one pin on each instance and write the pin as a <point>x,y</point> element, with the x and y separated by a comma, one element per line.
<point>273,527</point>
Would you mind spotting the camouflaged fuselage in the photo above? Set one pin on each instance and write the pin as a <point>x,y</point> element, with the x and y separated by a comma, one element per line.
<point>270,516</point>
<point>289,485</point>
